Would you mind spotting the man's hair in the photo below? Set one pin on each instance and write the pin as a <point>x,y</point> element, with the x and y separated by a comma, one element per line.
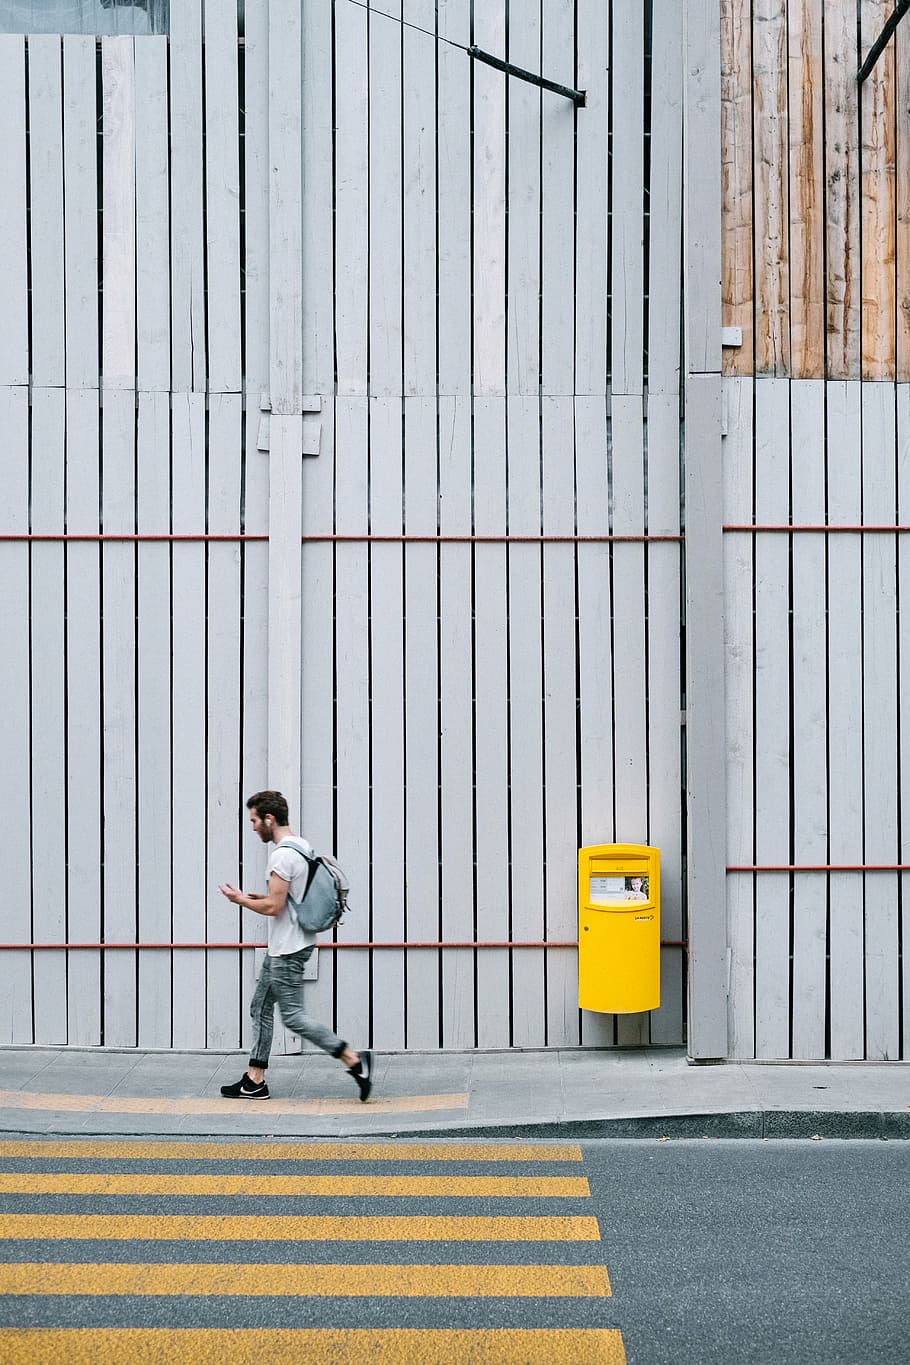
<point>269,803</point>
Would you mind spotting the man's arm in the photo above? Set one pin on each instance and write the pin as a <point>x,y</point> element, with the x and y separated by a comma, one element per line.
<point>271,904</point>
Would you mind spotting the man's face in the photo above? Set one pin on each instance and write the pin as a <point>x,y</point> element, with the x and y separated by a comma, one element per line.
<point>262,827</point>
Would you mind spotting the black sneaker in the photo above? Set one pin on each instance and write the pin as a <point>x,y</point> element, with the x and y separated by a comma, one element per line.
<point>363,1074</point>
<point>245,1089</point>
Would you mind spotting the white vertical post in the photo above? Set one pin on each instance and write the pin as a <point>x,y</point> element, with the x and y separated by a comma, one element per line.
<point>285,390</point>
<point>706,780</point>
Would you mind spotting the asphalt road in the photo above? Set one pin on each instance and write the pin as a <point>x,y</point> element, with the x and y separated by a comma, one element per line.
<point>757,1252</point>
<point>714,1251</point>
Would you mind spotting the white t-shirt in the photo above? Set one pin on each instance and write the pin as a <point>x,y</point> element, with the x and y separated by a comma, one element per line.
<point>285,936</point>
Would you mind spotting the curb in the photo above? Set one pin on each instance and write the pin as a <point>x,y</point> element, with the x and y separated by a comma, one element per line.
<point>755,1125</point>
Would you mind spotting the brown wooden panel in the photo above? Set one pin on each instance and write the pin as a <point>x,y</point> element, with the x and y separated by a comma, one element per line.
<point>902,203</point>
<point>806,173</point>
<point>772,248</point>
<point>841,190</point>
<point>736,152</point>
<point>877,132</point>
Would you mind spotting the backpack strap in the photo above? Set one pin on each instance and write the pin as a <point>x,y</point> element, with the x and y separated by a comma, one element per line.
<point>298,845</point>
<point>308,854</point>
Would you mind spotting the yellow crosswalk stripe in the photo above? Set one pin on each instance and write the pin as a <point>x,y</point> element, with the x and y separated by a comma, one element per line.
<point>336,1281</point>
<point>436,1186</point>
<point>289,1227</point>
<point>317,1346</point>
<point>291,1151</point>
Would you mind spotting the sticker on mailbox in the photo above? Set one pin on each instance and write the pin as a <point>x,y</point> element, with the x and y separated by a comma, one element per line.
<point>617,890</point>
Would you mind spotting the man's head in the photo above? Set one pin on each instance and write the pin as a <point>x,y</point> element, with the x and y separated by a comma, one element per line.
<point>268,812</point>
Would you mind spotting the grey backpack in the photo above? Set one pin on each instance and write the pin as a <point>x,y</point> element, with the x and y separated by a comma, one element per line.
<point>325,897</point>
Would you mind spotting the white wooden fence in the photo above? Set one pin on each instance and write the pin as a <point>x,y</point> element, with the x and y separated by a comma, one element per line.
<point>490,668</point>
<point>816,680</point>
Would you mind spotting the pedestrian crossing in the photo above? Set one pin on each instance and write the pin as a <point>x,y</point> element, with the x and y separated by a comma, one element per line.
<point>340,1253</point>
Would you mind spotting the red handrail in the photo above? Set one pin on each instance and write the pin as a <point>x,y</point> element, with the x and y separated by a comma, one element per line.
<point>329,945</point>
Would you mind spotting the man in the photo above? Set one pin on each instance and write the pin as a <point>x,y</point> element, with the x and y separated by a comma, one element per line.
<point>281,978</point>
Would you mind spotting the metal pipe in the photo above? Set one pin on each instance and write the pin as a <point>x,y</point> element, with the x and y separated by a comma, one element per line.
<point>328,946</point>
<point>881,42</point>
<point>820,530</point>
<point>578,97</point>
<point>823,867</point>
<point>145,537</point>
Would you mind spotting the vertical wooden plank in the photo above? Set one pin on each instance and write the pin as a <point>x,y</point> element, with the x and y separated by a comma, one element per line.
<point>318,199</point>
<point>352,607</point>
<point>627,266</point>
<point>14,300</point>
<point>593,57</point>
<point>702,261</point>
<point>352,248</point>
<point>285,393</point>
<point>48,741</point>
<point>706,787</point>
<point>453,134</point>
<point>456,690</point>
<point>153,719</point>
<point>489,220</point>
<point>390,795</point>
<point>772,264</point>
<point>254,62</point>
<point>845,752</point>
<point>665,198</point>
<point>118,322</point>
<point>903,516</point>
<point>153,312</point>
<point>317,686</point>
<point>630,689</point>
<point>254,557</point>
<point>188,757</point>
<point>877,188</point>
<point>901,43</point>
<point>491,720</point>
<point>222,198</point>
<point>15,789</point>
<point>421,772</point>
<point>420,196</point>
<point>224,705</point>
<point>810,703</point>
<point>595,692</point>
<point>739,728</point>
<point>526,749</point>
<point>772,726</point>
<point>80,210</point>
<point>806,178</point>
<point>285,209</point>
<point>385,202</point>
<point>559,123</point>
<point>842,191</point>
<point>664,643</point>
<point>880,724</point>
<point>118,662</point>
<point>737,112</point>
<point>45,113</point>
<point>83,703</point>
<point>285,496</point>
<point>523,104</point>
<point>560,712</point>
<point>187,183</point>
<point>705,746</point>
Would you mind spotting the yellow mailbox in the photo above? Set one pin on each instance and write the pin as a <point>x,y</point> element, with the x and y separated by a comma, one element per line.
<point>619,928</point>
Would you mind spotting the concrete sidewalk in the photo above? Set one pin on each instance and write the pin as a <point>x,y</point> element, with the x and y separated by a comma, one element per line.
<point>572,1093</point>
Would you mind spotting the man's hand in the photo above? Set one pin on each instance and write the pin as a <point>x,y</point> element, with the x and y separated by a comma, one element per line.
<point>233,893</point>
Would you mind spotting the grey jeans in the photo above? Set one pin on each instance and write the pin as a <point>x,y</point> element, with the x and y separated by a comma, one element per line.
<point>281,982</point>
